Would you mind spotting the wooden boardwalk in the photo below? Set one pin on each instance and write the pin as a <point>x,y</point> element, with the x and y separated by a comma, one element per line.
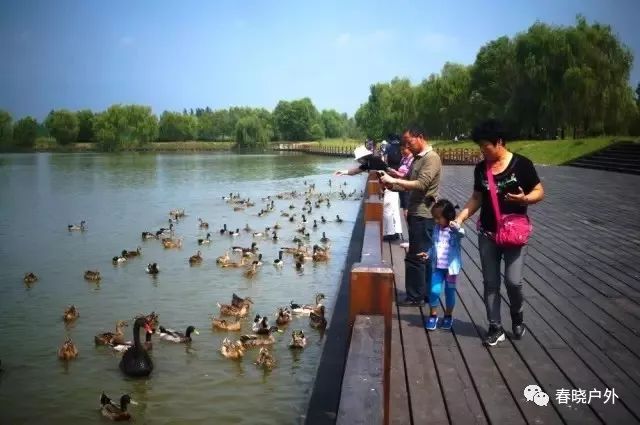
<point>582,311</point>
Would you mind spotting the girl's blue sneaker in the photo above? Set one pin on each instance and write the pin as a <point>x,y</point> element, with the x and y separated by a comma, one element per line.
<point>447,322</point>
<point>432,323</point>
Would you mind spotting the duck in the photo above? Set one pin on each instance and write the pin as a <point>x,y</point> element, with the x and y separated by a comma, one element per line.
<point>252,270</point>
<point>304,218</point>
<point>114,412</point>
<point>231,310</point>
<point>149,235</point>
<point>206,240</point>
<point>223,259</point>
<point>234,264</point>
<point>317,319</point>
<point>338,219</point>
<point>323,220</point>
<point>279,262</point>
<point>171,243</point>
<point>315,224</point>
<point>237,301</point>
<point>284,316</point>
<point>235,233</point>
<point>223,230</point>
<point>152,268</point>
<point>274,236</point>
<point>196,259</point>
<point>123,346</point>
<point>93,275</point>
<point>136,361</point>
<point>298,339</point>
<point>68,350</point>
<point>246,251</point>
<point>277,226</point>
<point>203,224</point>
<point>71,313</point>
<point>82,226</point>
<point>225,325</point>
<point>299,266</point>
<point>232,350</point>
<point>260,234</point>
<point>250,341</point>
<point>131,254</point>
<point>319,255</point>
<point>306,309</point>
<point>265,359</point>
<point>118,260</point>
<point>177,337</point>
<point>324,239</point>
<point>30,278</point>
<point>109,338</point>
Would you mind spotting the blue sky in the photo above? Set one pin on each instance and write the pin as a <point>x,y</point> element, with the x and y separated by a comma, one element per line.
<point>186,54</point>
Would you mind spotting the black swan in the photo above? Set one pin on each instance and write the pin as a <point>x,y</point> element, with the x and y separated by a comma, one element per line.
<point>136,361</point>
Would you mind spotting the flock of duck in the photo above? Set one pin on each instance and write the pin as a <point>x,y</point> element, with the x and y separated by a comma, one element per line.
<point>136,361</point>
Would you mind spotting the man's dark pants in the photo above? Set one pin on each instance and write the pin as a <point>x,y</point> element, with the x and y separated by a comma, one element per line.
<point>417,271</point>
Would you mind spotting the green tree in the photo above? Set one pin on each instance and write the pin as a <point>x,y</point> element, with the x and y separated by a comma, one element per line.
<point>251,133</point>
<point>334,123</point>
<point>6,129</point>
<point>125,127</point>
<point>174,126</point>
<point>85,125</point>
<point>294,120</point>
<point>63,126</point>
<point>25,131</point>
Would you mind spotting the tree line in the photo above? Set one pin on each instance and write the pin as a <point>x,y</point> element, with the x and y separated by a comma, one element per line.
<point>126,127</point>
<point>542,83</point>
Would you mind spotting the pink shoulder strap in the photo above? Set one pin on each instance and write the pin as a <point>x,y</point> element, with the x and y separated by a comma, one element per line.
<point>493,193</point>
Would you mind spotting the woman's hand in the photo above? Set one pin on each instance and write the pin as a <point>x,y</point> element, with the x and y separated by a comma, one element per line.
<point>518,198</point>
<point>341,173</point>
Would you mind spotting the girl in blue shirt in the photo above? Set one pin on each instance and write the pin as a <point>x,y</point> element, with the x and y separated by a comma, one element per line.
<point>446,262</point>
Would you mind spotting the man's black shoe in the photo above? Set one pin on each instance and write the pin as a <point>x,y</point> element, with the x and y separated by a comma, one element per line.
<point>393,237</point>
<point>410,302</point>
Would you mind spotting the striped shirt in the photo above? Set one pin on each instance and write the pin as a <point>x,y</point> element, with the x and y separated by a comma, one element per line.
<point>442,248</point>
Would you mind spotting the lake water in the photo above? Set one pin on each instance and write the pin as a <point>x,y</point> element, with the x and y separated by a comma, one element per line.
<point>120,196</point>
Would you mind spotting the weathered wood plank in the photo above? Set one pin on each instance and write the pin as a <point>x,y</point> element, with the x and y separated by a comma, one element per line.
<point>399,408</point>
<point>362,397</point>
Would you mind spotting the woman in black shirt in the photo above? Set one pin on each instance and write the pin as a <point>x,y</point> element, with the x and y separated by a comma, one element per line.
<point>518,186</point>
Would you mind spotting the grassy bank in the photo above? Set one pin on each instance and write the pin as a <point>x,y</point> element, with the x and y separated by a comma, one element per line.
<point>46,144</point>
<point>549,152</point>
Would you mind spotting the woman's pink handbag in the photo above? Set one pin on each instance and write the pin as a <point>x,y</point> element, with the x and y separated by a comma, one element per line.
<point>512,230</point>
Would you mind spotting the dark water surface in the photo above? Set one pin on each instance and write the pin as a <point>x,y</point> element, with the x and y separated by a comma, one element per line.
<point>120,196</point>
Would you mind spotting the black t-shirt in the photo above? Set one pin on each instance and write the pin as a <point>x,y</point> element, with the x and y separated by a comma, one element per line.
<point>519,173</point>
<point>373,163</point>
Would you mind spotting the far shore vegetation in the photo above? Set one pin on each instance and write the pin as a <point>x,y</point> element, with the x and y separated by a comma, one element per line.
<point>562,91</point>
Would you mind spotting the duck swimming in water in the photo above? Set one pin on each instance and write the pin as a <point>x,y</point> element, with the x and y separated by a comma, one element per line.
<point>177,337</point>
<point>152,268</point>
<point>30,278</point>
<point>265,359</point>
<point>70,314</point>
<point>206,240</point>
<point>68,350</point>
<point>114,412</point>
<point>306,309</point>
<point>109,338</point>
<point>298,339</point>
<point>136,361</point>
<point>82,226</point>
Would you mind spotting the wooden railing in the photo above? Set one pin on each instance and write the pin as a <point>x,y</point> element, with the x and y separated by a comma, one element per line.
<point>365,385</point>
<point>449,156</point>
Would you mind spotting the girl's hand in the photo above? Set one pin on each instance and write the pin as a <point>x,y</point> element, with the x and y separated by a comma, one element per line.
<point>341,173</point>
<point>454,225</point>
<point>423,256</point>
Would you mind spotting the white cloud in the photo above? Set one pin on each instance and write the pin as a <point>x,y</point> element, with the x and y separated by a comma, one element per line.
<point>126,40</point>
<point>437,42</point>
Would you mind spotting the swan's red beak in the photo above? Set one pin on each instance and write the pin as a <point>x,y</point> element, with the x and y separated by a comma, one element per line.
<point>148,328</point>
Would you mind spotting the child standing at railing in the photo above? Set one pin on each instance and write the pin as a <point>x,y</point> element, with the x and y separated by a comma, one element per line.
<point>446,263</point>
